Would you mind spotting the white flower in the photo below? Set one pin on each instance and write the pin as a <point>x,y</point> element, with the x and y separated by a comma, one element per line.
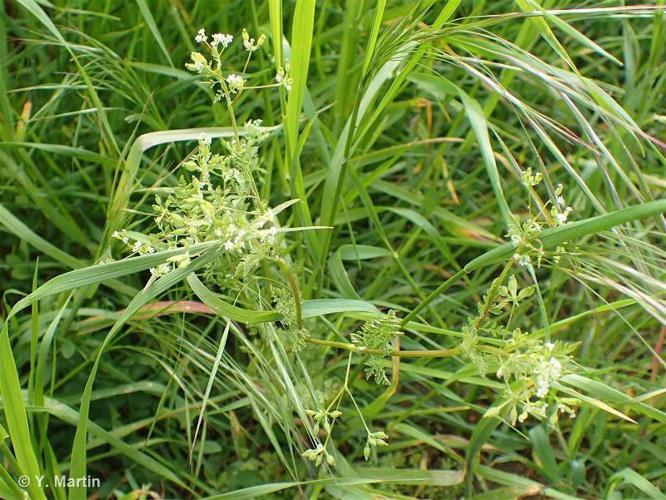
<point>161,270</point>
<point>530,179</point>
<point>269,235</point>
<point>523,260</point>
<point>121,235</point>
<point>282,79</point>
<point>239,242</point>
<point>198,63</point>
<point>554,369</point>
<point>253,126</point>
<point>546,373</point>
<point>201,36</point>
<point>563,216</point>
<point>250,44</point>
<point>223,39</point>
<point>560,201</point>
<point>235,82</point>
<point>204,139</point>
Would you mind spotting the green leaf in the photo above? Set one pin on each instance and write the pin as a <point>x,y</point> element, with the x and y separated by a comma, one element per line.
<point>441,87</point>
<point>152,26</point>
<point>362,252</point>
<point>543,452</point>
<point>428,477</point>
<point>594,402</point>
<point>100,273</point>
<point>374,32</point>
<point>630,476</point>
<point>15,415</point>
<point>322,307</point>
<point>78,465</point>
<point>604,392</point>
<point>70,416</point>
<point>574,231</point>
<point>60,149</point>
<point>227,310</point>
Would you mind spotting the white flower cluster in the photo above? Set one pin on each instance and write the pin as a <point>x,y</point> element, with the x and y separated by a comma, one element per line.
<point>529,179</point>
<point>223,39</point>
<point>235,82</point>
<point>524,239</point>
<point>218,201</point>
<point>545,374</point>
<point>522,259</point>
<point>121,235</point>
<point>530,373</point>
<point>205,139</point>
<point>283,79</point>
<point>142,247</point>
<point>201,36</point>
<point>138,246</point>
<point>161,270</point>
<point>250,44</point>
<point>560,212</point>
<point>236,242</point>
<point>198,64</point>
<point>226,84</point>
<point>525,236</point>
<point>268,235</point>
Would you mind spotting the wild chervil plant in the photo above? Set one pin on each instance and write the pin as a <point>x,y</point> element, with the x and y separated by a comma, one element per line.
<point>396,249</point>
<point>220,203</point>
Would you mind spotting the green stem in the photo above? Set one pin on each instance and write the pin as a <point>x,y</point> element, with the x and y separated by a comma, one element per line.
<point>434,353</point>
<point>492,293</point>
<point>440,289</point>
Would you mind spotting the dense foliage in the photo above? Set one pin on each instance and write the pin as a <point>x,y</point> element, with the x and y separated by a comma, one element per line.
<point>332,249</point>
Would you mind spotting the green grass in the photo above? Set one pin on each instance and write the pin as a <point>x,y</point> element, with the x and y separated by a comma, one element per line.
<point>412,166</point>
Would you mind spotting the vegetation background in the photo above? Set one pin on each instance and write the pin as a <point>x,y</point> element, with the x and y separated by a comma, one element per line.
<point>407,134</point>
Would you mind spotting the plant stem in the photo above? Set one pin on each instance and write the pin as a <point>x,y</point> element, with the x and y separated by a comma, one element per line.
<point>434,353</point>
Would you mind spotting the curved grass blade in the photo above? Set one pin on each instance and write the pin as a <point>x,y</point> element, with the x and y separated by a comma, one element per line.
<point>227,310</point>
<point>152,26</point>
<point>78,465</point>
<point>549,238</point>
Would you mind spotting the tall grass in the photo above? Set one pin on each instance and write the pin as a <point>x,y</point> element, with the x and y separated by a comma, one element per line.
<point>492,173</point>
